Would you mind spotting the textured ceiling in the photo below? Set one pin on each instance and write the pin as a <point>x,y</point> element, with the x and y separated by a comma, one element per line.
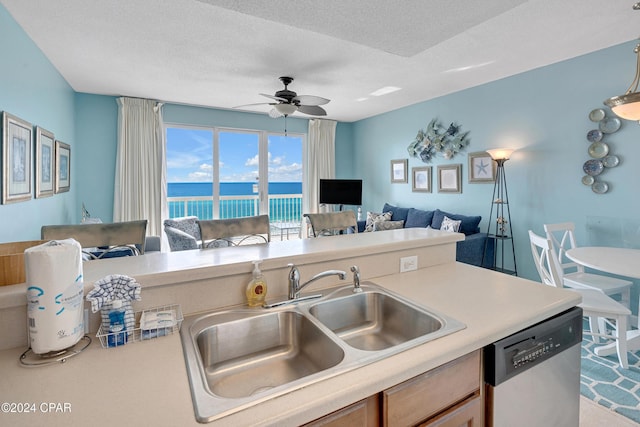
<point>223,53</point>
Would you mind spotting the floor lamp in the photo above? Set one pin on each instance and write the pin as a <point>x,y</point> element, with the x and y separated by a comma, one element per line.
<point>499,231</point>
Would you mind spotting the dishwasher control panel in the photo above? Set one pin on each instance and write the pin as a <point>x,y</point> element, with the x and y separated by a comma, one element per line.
<point>529,347</point>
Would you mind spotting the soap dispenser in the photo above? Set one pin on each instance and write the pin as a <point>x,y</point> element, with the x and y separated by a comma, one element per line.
<point>257,287</point>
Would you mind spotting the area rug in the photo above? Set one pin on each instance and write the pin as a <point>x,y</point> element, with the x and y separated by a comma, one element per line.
<point>603,381</point>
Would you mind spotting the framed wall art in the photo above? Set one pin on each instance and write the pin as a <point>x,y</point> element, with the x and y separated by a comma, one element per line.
<point>482,168</point>
<point>17,145</point>
<point>45,162</point>
<point>449,178</point>
<point>63,167</point>
<point>421,179</point>
<point>399,171</point>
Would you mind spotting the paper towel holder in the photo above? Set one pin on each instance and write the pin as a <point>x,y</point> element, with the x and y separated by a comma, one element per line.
<point>31,359</point>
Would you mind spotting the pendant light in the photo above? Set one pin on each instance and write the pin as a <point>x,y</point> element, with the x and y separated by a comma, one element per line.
<point>627,106</point>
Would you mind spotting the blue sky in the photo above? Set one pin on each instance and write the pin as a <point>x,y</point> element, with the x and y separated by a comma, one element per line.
<point>190,156</point>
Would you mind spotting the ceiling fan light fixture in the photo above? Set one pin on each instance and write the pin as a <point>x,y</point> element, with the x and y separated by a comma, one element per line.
<point>286,109</point>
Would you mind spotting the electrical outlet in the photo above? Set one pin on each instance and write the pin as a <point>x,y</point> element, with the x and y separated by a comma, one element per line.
<point>408,263</point>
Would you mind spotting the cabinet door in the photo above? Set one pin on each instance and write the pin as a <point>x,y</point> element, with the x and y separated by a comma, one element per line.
<point>426,395</point>
<point>365,413</point>
<point>465,414</point>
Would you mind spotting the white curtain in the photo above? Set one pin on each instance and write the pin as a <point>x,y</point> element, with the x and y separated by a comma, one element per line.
<point>320,161</point>
<point>140,190</point>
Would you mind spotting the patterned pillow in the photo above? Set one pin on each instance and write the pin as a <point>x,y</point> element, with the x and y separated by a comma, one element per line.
<point>387,225</point>
<point>449,224</point>
<point>188,224</point>
<point>373,217</point>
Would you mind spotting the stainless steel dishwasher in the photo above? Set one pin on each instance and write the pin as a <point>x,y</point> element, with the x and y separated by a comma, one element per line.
<point>533,376</point>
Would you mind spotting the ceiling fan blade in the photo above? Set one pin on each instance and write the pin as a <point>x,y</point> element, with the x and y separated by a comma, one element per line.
<point>277,98</point>
<point>310,100</point>
<point>252,105</point>
<point>312,110</point>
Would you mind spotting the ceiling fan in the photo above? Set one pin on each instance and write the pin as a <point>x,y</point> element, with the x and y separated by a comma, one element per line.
<point>288,102</point>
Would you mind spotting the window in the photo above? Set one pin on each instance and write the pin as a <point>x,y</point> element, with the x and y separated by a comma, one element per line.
<point>227,173</point>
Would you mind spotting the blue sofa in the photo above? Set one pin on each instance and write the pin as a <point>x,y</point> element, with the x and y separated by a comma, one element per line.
<point>469,251</point>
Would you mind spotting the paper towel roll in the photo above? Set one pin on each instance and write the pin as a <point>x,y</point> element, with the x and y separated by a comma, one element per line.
<point>54,295</point>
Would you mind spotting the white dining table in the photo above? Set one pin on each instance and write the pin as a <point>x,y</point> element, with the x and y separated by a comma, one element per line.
<point>618,261</point>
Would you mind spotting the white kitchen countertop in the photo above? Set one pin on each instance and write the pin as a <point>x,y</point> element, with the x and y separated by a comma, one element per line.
<point>146,383</point>
<point>163,268</point>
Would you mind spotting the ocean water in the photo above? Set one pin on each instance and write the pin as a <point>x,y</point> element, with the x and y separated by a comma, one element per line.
<point>283,209</point>
<point>186,189</point>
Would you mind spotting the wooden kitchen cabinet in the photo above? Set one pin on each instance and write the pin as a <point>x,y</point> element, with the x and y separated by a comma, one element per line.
<point>365,413</point>
<point>467,413</point>
<point>420,398</point>
<point>447,396</point>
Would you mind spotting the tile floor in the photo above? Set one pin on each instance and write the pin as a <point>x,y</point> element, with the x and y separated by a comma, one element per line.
<point>594,415</point>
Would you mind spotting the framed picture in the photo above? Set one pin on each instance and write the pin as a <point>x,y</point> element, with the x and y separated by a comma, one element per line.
<point>399,171</point>
<point>482,168</point>
<point>17,145</point>
<point>421,179</point>
<point>45,162</point>
<point>449,178</point>
<point>63,167</point>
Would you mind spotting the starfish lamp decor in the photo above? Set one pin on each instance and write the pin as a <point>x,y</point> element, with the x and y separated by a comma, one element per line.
<point>447,141</point>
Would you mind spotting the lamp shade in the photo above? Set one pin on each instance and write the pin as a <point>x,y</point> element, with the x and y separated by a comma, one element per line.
<point>286,109</point>
<point>625,106</point>
<point>500,153</point>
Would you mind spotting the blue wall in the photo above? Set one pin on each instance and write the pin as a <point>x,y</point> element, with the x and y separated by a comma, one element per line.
<point>96,130</point>
<point>542,113</point>
<point>32,89</point>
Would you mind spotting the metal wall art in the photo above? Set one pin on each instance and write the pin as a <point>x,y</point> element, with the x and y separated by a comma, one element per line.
<point>437,139</point>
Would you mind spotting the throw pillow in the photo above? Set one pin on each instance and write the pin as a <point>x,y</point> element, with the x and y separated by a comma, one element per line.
<point>417,218</point>
<point>449,224</point>
<point>468,226</point>
<point>397,213</point>
<point>387,225</point>
<point>188,224</point>
<point>373,217</point>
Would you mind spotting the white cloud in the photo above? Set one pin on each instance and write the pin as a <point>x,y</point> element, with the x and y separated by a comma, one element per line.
<point>179,160</point>
<point>204,173</point>
<point>253,161</point>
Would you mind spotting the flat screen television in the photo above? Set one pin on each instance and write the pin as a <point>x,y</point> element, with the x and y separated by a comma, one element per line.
<point>341,191</point>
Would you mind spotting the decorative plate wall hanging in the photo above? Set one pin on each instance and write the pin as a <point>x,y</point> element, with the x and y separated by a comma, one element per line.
<point>448,141</point>
<point>599,151</point>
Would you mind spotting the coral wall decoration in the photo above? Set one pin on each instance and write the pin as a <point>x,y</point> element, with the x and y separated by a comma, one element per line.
<point>435,139</point>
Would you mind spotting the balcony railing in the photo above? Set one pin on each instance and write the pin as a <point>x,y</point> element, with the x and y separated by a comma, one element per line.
<point>283,208</point>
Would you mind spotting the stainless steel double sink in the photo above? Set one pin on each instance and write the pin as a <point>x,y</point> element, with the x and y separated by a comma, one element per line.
<point>237,358</point>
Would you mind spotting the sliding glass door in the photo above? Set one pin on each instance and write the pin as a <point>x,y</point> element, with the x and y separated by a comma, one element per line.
<point>227,173</point>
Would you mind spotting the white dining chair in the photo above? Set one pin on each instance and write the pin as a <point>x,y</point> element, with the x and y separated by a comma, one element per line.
<point>573,275</point>
<point>595,304</point>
